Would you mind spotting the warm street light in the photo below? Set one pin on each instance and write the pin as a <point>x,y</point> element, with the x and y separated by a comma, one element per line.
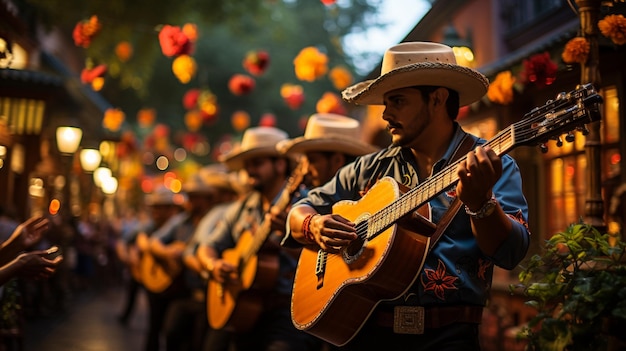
<point>90,159</point>
<point>100,175</point>
<point>109,185</point>
<point>68,139</point>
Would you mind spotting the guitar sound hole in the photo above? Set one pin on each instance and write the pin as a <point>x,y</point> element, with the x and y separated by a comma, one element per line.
<point>354,250</point>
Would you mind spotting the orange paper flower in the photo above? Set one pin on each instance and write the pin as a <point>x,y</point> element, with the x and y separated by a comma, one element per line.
<point>193,120</point>
<point>113,119</point>
<point>191,31</point>
<point>124,51</point>
<point>340,77</point>
<point>310,64</point>
<point>184,68</point>
<point>501,89</point>
<point>85,31</point>
<point>330,103</point>
<point>576,50</point>
<point>614,28</point>
<point>146,117</point>
<point>240,120</point>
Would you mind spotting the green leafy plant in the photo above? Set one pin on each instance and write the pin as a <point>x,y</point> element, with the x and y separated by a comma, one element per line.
<point>578,287</point>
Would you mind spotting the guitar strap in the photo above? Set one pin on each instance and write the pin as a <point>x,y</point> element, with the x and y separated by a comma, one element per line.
<point>465,146</point>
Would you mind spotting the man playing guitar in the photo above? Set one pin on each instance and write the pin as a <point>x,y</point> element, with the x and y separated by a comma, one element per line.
<point>251,276</point>
<point>438,306</point>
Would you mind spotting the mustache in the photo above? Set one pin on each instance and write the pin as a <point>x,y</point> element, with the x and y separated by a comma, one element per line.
<point>393,125</point>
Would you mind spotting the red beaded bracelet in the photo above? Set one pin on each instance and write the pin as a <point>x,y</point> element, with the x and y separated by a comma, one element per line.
<point>306,228</point>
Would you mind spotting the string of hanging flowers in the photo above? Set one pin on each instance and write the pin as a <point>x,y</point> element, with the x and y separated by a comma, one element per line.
<point>576,50</point>
<point>614,28</point>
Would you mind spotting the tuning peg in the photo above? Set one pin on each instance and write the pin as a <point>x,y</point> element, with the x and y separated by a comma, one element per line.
<point>559,142</point>
<point>560,96</point>
<point>584,130</point>
<point>570,137</point>
<point>543,147</point>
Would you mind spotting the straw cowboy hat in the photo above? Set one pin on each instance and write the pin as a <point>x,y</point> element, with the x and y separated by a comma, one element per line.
<point>329,132</point>
<point>208,179</point>
<point>256,142</point>
<point>419,63</point>
<point>162,196</point>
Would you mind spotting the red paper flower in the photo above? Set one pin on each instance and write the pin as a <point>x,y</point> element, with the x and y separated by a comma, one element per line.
<point>113,119</point>
<point>85,31</point>
<point>174,42</point>
<point>268,120</point>
<point>256,62</point>
<point>328,2</point>
<point>190,99</point>
<point>540,70</point>
<point>88,75</point>
<point>292,95</point>
<point>241,84</point>
<point>124,51</point>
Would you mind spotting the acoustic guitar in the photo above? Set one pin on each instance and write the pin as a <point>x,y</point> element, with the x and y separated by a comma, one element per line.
<point>237,304</point>
<point>158,274</point>
<point>334,294</point>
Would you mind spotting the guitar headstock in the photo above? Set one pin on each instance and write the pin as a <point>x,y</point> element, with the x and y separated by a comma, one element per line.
<point>566,113</point>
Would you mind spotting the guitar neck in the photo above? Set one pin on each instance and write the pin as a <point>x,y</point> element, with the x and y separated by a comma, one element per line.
<point>502,143</point>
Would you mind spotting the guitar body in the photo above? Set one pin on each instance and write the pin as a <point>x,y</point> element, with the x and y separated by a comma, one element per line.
<point>238,304</point>
<point>334,305</point>
<point>158,274</point>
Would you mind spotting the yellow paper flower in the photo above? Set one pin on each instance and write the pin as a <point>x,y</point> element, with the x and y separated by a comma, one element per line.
<point>340,77</point>
<point>113,119</point>
<point>576,50</point>
<point>184,68</point>
<point>310,64</point>
<point>614,28</point>
<point>501,89</point>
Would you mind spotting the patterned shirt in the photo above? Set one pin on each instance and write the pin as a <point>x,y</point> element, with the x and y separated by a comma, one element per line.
<point>455,271</point>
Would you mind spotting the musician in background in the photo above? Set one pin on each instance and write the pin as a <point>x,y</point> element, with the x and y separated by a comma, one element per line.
<point>422,88</point>
<point>186,323</point>
<point>267,174</point>
<point>166,211</point>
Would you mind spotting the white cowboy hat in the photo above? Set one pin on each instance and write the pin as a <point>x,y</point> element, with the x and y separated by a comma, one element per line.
<point>329,132</point>
<point>163,196</point>
<point>256,142</point>
<point>419,63</point>
<point>208,179</point>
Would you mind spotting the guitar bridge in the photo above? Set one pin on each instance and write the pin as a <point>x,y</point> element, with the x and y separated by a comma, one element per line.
<point>320,267</point>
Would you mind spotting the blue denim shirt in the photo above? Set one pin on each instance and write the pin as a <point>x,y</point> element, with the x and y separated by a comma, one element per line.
<point>455,271</point>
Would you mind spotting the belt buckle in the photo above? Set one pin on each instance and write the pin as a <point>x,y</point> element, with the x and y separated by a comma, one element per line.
<point>408,320</point>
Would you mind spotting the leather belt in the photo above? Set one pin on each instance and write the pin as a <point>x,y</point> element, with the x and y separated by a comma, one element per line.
<point>431,317</point>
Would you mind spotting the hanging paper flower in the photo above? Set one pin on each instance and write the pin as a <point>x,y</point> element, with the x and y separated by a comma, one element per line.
<point>123,51</point>
<point>191,31</point>
<point>330,103</point>
<point>267,120</point>
<point>328,2</point>
<point>340,77</point>
<point>193,120</point>
<point>113,119</point>
<point>207,103</point>
<point>146,117</point>
<point>501,89</point>
<point>174,42</point>
<point>310,64</point>
<point>190,140</point>
<point>241,84</point>
<point>614,28</point>
<point>293,95</point>
<point>576,50</point>
<point>256,62</point>
<point>240,120</point>
<point>85,31</point>
<point>190,99</point>
<point>540,70</point>
<point>184,68</point>
<point>87,75</point>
